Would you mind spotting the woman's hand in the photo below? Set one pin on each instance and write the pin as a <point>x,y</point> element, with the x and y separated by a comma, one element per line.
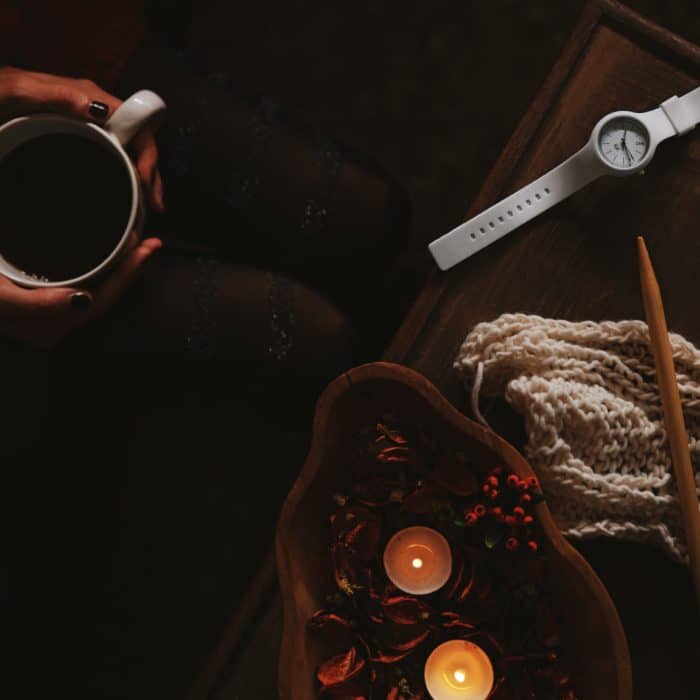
<point>41,317</point>
<point>24,92</point>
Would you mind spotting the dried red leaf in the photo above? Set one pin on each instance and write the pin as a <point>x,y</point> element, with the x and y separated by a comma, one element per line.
<point>397,454</point>
<point>455,475</point>
<point>349,571</point>
<point>390,434</point>
<point>322,619</point>
<point>394,648</point>
<point>425,499</point>
<point>459,627</point>
<point>335,631</point>
<point>482,588</point>
<point>467,589</point>
<point>372,605</point>
<point>477,584</point>
<point>449,615</point>
<point>454,583</point>
<point>490,644</point>
<point>409,645</point>
<point>393,638</point>
<point>406,610</point>
<point>390,590</point>
<point>340,669</point>
<point>347,517</point>
<point>391,658</point>
<point>373,593</point>
<point>395,693</point>
<point>355,689</point>
<point>364,539</point>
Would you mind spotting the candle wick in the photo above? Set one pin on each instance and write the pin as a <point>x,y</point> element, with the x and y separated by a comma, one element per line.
<point>417,563</point>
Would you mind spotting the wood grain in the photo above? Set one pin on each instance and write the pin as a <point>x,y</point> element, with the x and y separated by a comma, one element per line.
<point>673,411</point>
<point>594,641</point>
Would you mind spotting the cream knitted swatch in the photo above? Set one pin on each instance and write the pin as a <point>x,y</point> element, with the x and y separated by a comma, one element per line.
<point>593,417</point>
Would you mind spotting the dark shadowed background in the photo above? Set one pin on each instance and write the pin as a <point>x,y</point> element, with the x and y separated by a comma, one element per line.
<point>432,90</point>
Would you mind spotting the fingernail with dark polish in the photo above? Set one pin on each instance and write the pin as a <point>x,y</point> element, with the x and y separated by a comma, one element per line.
<point>80,301</point>
<point>99,110</point>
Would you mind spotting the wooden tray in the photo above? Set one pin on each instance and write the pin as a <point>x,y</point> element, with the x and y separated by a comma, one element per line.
<point>591,629</point>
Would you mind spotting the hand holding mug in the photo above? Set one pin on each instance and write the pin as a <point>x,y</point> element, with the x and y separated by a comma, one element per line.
<point>24,92</point>
<point>47,310</point>
<point>41,317</point>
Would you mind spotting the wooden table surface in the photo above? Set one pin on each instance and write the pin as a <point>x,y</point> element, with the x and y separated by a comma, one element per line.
<point>578,261</point>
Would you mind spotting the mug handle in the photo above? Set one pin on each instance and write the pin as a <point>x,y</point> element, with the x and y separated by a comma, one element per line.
<point>133,114</point>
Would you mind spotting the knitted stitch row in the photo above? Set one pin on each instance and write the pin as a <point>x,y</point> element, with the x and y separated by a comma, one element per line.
<point>592,411</point>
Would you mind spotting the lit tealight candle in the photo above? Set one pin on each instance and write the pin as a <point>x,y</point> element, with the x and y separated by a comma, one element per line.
<point>458,670</point>
<point>418,560</point>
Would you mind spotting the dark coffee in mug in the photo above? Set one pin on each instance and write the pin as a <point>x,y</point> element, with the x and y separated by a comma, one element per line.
<point>66,201</point>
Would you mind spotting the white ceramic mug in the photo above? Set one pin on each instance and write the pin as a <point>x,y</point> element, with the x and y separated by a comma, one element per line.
<point>122,126</point>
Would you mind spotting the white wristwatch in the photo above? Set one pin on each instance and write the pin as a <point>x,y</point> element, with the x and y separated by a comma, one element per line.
<point>622,143</point>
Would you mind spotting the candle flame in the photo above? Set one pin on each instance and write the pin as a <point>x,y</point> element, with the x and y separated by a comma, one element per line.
<point>460,676</point>
<point>417,563</point>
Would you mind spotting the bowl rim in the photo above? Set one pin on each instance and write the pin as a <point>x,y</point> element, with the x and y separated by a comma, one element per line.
<point>388,371</point>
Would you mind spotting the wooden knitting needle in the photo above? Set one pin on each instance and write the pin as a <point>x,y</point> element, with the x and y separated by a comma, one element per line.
<point>673,413</point>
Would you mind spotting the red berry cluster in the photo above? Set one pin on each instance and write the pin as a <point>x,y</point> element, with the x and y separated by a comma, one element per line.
<point>508,501</point>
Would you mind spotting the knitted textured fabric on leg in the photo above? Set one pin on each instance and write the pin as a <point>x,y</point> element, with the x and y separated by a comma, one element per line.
<point>593,417</point>
<point>260,188</point>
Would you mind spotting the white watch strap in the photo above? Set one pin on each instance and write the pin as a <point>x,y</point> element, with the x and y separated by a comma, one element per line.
<point>513,211</point>
<point>683,112</point>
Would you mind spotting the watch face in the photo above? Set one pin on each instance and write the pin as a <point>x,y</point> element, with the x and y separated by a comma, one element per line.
<point>624,142</point>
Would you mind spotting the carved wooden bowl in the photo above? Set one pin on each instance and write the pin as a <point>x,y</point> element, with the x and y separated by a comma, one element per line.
<point>591,630</point>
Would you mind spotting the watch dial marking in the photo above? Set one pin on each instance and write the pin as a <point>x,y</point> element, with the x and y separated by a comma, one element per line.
<point>623,142</point>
